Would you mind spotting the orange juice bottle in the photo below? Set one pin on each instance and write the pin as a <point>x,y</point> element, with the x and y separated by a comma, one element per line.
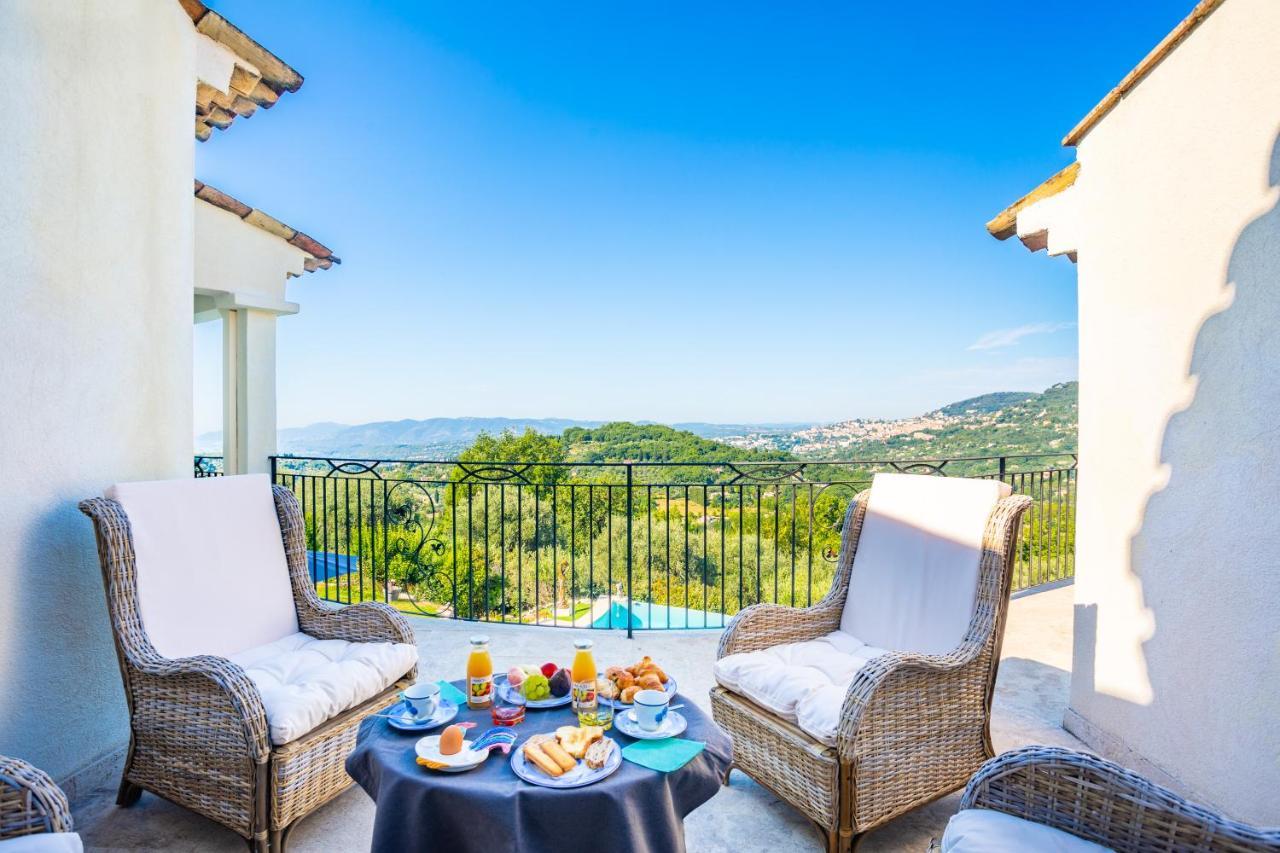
<point>584,677</point>
<point>479,674</point>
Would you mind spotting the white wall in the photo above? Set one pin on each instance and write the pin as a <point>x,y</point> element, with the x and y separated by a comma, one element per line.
<point>95,375</point>
<point>1177,652</point>
<point>243,271</point>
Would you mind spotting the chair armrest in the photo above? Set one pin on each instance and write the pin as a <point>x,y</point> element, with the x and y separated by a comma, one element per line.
<point>366,622</point>
<point>763,625</point>
<point>902,681</point>
<point>30,801</point>
<point>1098,800</point>
<point>225,699</point>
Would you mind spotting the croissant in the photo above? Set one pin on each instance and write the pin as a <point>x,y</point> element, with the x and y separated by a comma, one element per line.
<point>626,680</point>
<point>629,694</point>
<point>606,688</point>
<point>649,681</point>
<point>613,673</point>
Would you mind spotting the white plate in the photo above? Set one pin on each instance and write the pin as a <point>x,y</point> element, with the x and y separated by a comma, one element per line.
<point>400,717</point>
<point>575,778</point>
<point>669,688</point>
<point>500,684</point>
<point>460,762</point>
<point>673,725</point>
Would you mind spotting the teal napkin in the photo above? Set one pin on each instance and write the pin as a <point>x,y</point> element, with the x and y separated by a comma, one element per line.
<point>453,694</point>
<point>664,755</point>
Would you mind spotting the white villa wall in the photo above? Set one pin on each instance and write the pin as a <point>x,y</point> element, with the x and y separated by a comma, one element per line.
<point>95,378</point>
<point>1177,636</point>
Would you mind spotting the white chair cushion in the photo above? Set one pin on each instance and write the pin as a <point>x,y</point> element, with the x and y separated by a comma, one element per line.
<point>44,842</point>
<point>799,681</point>
<point>915,572</point>
<point>986,831</point>
<point>212,576</point>
<point>305,681</point>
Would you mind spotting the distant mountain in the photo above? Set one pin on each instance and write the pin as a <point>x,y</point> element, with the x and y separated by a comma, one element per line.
<point>987,403</point>
<point>1007,422</point>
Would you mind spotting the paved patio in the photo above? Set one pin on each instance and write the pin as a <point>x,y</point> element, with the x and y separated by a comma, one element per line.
<point>1031,695</point>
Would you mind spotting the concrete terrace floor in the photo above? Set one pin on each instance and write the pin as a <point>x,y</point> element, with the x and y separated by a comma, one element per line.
<point>1031,695</point>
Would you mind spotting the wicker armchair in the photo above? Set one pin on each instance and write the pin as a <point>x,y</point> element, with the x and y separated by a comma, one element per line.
<point>1102,802</point>
<point>912,726</point>
<point>199,731</point>
<point>30,802</point>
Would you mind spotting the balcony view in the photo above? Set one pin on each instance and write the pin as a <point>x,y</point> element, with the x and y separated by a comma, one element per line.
<point>660,445</point>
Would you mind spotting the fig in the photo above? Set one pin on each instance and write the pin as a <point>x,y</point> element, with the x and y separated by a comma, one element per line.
<point>561,683</point>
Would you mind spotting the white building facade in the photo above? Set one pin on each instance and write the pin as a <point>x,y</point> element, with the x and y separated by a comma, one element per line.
<point>103,254</point>
<point>1171,214</point>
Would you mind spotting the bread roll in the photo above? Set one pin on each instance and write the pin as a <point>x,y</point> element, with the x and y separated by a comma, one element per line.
<point>629,694</point>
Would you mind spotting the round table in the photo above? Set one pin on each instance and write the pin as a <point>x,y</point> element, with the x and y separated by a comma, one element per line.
<point>490,809</point>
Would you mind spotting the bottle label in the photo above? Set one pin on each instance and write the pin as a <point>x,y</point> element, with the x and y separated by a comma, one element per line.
<point>481,689</point>
<point>584,695</point>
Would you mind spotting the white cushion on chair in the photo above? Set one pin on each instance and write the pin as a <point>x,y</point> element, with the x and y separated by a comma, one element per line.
<point>44,842</point>
<point>987,831</point>
<point>305,681</point>
<point>915,572</point>
<point>794,680</point>
<point>212,577</point>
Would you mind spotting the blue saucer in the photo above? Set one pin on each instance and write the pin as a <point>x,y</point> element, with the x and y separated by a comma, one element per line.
<point>400,717</point>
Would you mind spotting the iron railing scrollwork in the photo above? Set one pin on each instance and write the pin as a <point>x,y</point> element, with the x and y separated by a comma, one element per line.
<point>624,545</point>
<point>208,466</point>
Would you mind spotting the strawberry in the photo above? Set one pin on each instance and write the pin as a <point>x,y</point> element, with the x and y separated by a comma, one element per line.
<point>549,669</point>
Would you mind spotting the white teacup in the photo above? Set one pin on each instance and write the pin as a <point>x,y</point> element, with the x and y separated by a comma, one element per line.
<point>423,699</point>
<point>651,709</point>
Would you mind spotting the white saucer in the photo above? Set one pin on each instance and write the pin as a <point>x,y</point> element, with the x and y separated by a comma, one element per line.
<point>673,725</point>
<point>401,717</point>
<point>460,762</point>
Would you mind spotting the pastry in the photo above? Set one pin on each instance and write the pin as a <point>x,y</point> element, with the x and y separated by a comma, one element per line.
<point>559,755</point>
<point>606,689</point>
<point>628,694</point>
<point>649,681</point>
<point>598,753</point>
<point>534,754</point>
<point>613,673</point>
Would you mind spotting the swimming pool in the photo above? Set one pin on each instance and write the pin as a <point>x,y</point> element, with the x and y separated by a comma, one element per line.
<point>643,614</point>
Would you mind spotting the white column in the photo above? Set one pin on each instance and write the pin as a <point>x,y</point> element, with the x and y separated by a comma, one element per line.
<point>249,380</point>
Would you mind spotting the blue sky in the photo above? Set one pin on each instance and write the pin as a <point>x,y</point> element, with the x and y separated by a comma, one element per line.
<point>721,212</point>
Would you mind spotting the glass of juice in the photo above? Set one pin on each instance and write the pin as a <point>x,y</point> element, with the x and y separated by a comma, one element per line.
<point>479,674</point>
<point>508,708</point>
<point>583,673</point>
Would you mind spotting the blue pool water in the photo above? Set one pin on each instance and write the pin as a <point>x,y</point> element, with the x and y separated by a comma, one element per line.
<point>326,565</point>
<point>642,614</point>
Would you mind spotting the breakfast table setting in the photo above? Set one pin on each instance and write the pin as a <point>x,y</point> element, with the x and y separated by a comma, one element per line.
<point>539,759</point>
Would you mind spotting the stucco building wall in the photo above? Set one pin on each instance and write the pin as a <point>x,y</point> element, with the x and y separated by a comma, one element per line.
<point>95,371</point>
<point>1177,635</point>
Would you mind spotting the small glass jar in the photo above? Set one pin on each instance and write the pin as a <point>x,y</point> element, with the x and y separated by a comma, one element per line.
<point>508,708</point>
<point>601,715</point>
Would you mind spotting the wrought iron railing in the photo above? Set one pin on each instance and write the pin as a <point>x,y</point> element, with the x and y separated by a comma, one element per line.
<point>618,544</point>
<point>208,466</point>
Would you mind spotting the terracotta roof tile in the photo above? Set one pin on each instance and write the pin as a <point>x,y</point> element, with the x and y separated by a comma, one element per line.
<point>321,256</point>
<point>258,82</point>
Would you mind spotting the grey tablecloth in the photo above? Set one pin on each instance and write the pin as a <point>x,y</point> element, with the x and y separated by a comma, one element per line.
<point>490,810</point>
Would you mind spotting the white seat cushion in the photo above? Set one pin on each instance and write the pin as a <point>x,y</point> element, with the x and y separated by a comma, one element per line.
<point>986,831</point>
<point>44,842</point>
<point>305,681</point>
<point>801,682</point>
<point>211,572</point>
<point>915,572</point>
